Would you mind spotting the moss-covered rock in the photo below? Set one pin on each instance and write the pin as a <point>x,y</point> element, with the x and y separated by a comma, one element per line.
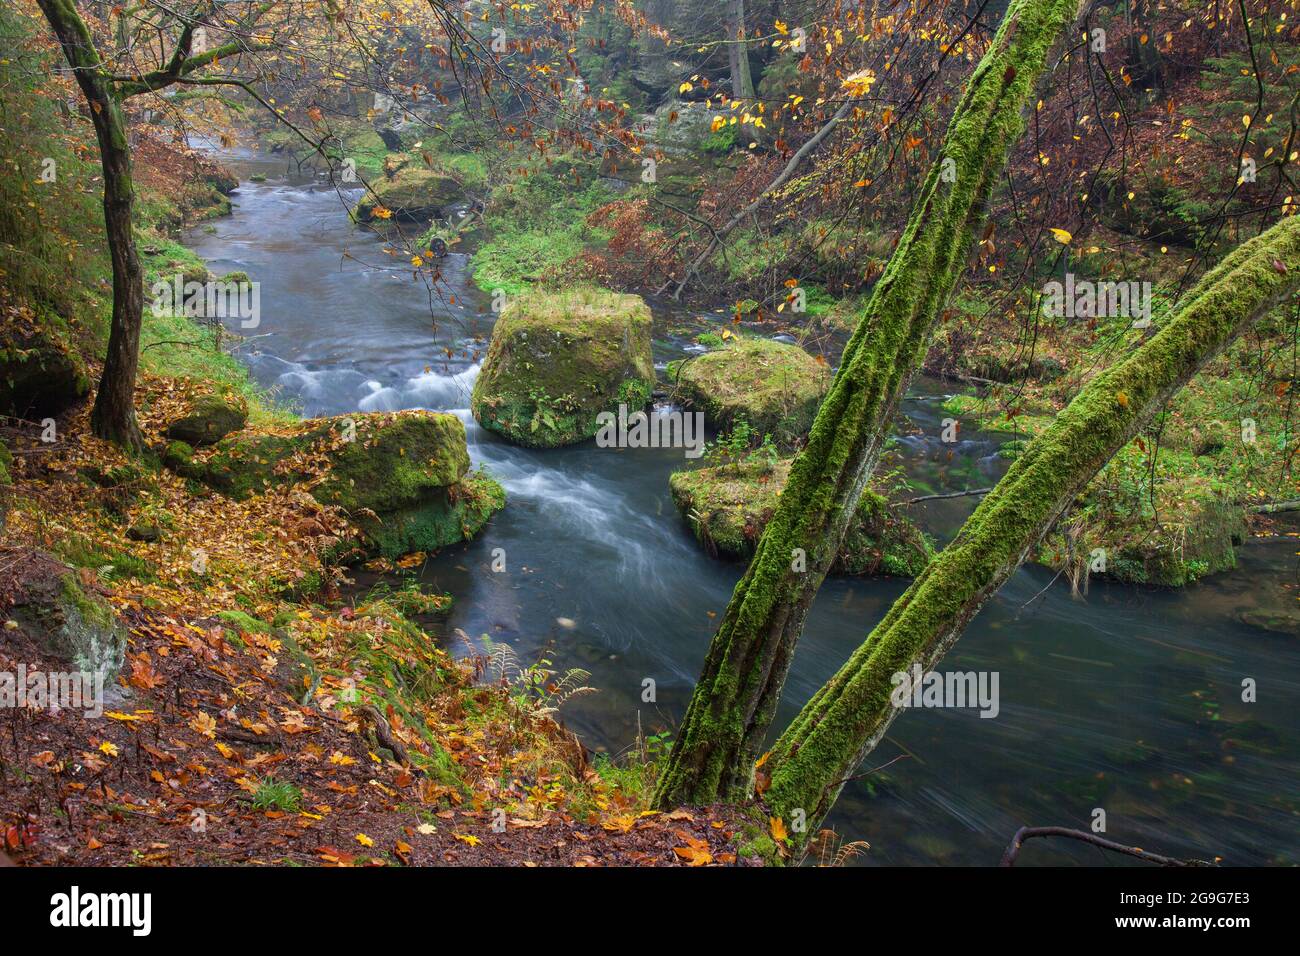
<point>401,477</point>
<point>381,461</point>
<point>445,517</point>
<point>208,418</point>
<point>64,617</point>
<point>557,360</point>
<point>41,374</point>
<point>774,386</point>
<point>727,506</point>
<point>408,190</point>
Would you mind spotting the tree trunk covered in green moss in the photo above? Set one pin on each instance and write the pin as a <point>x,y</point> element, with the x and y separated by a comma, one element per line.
<point>737,694</point>
<point>851,713</point>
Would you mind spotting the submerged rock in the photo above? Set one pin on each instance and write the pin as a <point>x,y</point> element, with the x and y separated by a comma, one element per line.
<point>776,387</point>
<point>557,360</point>
<point>727,506</point>
<point>208,418</point>
<point>401,477</point>
<point>408,190</point>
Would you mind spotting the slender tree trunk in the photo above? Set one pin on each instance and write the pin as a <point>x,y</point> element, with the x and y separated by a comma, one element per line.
<point>113,417</point>
<point>736,696</point>
<point>846,719</point>
<point>742,82</point>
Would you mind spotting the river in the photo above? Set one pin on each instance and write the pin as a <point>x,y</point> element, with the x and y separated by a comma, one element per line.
<point>1128,700</point>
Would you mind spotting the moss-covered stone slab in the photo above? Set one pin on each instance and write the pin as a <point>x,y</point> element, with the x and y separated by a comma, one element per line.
<point>446,517</point>
<point>776,387</point>
<point>727,506</point>
<point>559,359</point>
<point>408,190</point>
<point>379,461</point>
<point>208,418</point>
<point>402,477</point>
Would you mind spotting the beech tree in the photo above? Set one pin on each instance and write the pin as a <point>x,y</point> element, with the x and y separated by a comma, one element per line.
<point>113,416</point>
<point>735,699</point>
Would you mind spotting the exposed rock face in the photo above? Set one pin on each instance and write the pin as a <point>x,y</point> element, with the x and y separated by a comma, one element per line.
<point>557,360</point>
<point>56,613</point>
<point>727,506</point>
<point>775,387</point>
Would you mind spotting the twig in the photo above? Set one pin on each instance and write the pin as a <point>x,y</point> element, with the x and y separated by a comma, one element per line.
<point>1028,833</point>
<point>950,494</point>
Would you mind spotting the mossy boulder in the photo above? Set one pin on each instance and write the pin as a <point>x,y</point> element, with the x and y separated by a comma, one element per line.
<point>207,418</point>
<point>408,190</point>
<point>776,387</point>
<point>727,506</point>
<point>557,360</point>
<point>1169,549</point>
<point>41,374</point>
<point>400,477</point>
<point>60,615</point>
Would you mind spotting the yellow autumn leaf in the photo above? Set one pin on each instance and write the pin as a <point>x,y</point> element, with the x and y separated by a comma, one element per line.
<point>470,839</point>
<point>1062,236</point>
<point>108,748</point>
<point>779,832</point>
<point>365,840</point>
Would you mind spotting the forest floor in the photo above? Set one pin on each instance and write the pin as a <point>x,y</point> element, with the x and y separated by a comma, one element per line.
<point>267,712</point>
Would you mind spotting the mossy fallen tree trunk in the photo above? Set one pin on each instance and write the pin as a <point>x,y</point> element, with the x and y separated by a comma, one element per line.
<point>851,713</point>
<point>746,666</point>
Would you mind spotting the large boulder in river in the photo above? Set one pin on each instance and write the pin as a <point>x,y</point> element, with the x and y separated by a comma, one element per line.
<point>41,373</point>
<point>209,417</point>
<point>559,359</point>
<point>401,477</point>
<point>407,190</point>
<point>775,387</point>
<point>727,506</point>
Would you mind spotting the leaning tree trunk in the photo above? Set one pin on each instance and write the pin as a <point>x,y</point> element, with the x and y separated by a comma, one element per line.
<point>113,416</point>
<point>850,714</point>
<point>736,696</point>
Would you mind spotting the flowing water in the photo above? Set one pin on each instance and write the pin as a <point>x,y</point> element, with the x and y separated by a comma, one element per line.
<point>1128,700</point>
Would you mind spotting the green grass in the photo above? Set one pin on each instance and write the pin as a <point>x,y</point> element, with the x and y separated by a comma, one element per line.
<point>274,794</point>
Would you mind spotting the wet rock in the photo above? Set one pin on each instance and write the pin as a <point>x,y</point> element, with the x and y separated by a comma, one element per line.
<point>402,477</point>
<point>727,506</point>
<point>409,190</point>
<point>557,360</point>
<point>775,387</point>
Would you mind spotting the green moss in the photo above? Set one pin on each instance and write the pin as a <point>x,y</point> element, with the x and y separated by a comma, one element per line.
<point>559,359</point>
<point>728,506</point>
<point>454,514</point>
<point>774,386</point>
<point>391,462</point>
<point>408,190</point>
